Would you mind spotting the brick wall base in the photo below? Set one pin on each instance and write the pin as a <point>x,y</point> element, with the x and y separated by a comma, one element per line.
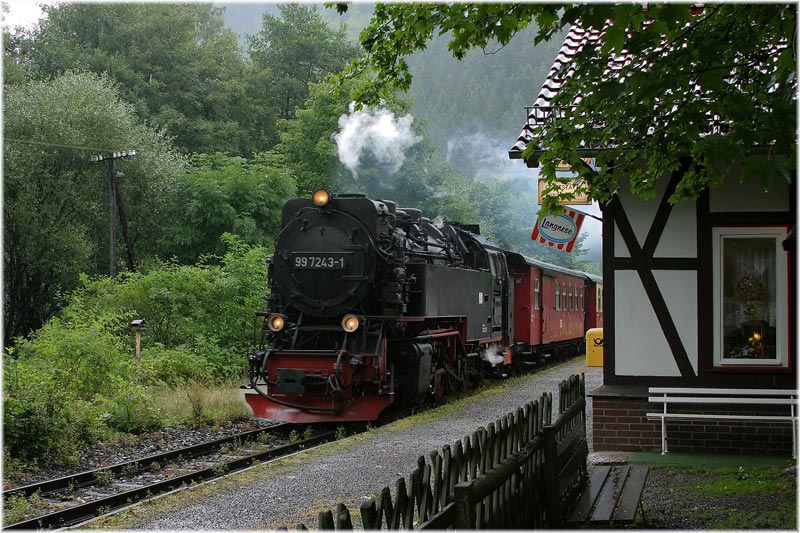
<point>620,424</point>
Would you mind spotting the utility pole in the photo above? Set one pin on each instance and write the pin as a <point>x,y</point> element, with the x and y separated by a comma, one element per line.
<point>113,196</point>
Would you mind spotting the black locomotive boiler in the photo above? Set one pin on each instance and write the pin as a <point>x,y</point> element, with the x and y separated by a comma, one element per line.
<point>370,305</point>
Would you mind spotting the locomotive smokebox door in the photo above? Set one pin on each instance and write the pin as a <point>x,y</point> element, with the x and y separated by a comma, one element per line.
<point>325,262</point>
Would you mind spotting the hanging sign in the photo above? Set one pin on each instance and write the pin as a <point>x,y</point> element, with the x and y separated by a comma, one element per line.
<point>559,231</point>
<point>566,186</point>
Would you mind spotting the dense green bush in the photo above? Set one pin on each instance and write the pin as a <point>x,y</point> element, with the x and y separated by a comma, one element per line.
<point>52,384</point>
<point>77,377</point>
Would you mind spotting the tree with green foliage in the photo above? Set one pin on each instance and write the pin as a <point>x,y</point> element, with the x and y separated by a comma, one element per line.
<point>297,48</point>
<point>685,65</point>
<point>227,194</point>
<point>55,202</point>
<point>177,64</point>
<point>307,142</point>
<point>17,47</point>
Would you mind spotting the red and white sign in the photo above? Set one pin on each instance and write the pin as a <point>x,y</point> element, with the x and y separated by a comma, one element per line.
<point>560,231</point>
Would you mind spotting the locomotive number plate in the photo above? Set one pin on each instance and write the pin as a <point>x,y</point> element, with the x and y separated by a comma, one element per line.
<point>331,261</point>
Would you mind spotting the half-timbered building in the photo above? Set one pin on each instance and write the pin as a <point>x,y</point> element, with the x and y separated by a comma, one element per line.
<point>696,294</point>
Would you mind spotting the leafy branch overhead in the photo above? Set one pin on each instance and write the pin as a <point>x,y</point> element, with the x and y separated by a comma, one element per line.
<point>658,83</point>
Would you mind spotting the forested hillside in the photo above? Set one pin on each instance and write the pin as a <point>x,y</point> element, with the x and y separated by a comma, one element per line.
<point>463,103</point>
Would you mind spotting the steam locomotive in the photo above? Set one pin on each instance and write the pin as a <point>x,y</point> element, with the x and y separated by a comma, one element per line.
<point>372,305</point>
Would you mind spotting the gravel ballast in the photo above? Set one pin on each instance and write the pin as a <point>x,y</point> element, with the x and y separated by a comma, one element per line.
<point>273,496</point>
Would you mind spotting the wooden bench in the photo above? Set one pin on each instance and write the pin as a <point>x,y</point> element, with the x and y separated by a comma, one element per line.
<point>746,397</point>
<point>609,495</point>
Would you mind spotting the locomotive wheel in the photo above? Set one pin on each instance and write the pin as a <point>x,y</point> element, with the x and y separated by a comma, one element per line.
<point>439,382</point>
<point>454,383</point>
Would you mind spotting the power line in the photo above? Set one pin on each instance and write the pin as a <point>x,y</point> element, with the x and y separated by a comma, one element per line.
<point>56,145</point>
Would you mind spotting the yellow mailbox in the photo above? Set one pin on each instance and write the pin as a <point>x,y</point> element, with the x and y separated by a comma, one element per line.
<point>594,347</point>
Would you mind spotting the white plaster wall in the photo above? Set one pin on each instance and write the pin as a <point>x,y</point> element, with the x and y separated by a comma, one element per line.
<point>748,196</point>
<point>640,346</point>
<point>679,238</point>
<point>679,289</point>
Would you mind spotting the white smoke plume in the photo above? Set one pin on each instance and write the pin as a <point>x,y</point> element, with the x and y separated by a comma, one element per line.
<point>492,354</point>
<point>484,157</point>
<point>376,132</point>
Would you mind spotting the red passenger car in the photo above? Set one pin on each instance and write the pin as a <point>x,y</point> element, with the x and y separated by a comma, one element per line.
<point>594,301</point>
<point>549,309</point>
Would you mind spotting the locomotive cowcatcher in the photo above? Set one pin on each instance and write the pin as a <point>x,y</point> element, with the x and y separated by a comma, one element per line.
<point>371,305</point>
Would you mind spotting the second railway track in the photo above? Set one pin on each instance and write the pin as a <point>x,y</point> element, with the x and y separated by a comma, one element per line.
<point>86,495</point>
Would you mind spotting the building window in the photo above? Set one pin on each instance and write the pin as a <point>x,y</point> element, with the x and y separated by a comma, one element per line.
<point>564,295</point>
<point>536,294</point>
<point>599,303</point>
<point>750,296</point>
<point>558,296</point>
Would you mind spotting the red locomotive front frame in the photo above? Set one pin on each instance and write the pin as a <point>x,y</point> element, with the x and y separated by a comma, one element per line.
<point>323,386</point>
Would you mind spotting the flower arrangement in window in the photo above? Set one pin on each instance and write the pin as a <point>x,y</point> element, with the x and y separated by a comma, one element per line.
<point>749,290</point>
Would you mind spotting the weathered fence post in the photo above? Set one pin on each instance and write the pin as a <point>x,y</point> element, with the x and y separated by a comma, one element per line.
<point>465,508</point>
<point>326,520</point>
<point>369,515</point>
<point>551,477</point>
<point>343,520</point>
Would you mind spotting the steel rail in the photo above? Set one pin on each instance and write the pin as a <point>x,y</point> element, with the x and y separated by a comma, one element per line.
<point>90,477</point>
<point>87,511</point>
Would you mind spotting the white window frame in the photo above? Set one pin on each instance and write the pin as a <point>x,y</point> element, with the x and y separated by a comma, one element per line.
<point>536,294</point>
<point>778,233</point>
<point>558,296</point>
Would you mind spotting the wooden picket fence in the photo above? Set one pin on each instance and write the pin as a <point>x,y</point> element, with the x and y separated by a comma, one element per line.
<point>493,479</point>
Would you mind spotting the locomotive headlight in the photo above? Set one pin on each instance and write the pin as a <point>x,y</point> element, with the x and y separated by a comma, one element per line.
<point>276,322</point>
<point>322,197</point>
<point>350,323</point>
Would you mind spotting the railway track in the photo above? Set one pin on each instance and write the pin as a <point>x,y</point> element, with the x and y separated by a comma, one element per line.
<point>79,497</point>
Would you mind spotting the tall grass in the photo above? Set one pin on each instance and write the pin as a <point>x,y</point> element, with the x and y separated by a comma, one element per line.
<point>198,404</point>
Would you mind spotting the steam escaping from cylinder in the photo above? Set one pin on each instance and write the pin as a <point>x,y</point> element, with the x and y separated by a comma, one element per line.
<point>376,132</point>
<point>493,354</point>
